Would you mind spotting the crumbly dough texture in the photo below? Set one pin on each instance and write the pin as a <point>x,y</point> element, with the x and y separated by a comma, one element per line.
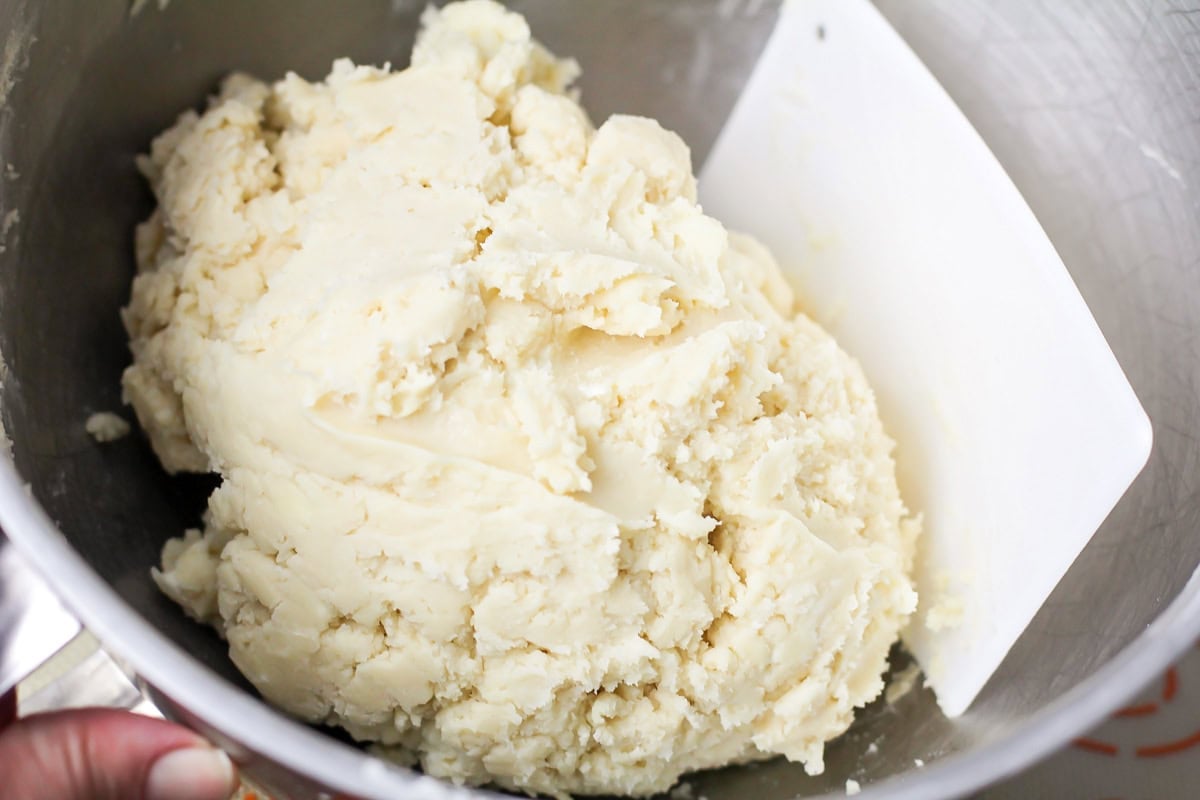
<point>530,470</point>
<point>105,427</point>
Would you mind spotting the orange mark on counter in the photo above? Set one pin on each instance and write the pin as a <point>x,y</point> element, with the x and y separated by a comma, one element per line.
<point>1145,709</point>
<point>1170,748</point>
<point>1096,746</point>
<point>1170,684</point>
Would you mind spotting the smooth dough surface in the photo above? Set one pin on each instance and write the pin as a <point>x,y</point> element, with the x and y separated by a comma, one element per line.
<point>530,470</point>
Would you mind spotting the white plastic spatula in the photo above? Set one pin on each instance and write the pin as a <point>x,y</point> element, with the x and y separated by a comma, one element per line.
<point>1017,431</point>
<point>33,624</point>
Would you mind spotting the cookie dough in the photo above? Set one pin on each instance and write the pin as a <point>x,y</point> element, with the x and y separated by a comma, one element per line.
<point>105,427</point>
<point>531,471</point>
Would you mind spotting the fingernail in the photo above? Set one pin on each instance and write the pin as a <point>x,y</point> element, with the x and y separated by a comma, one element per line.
<point>191,773</point>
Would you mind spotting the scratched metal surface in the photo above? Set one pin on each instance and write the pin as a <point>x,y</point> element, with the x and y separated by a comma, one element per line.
<point>1092,106</point>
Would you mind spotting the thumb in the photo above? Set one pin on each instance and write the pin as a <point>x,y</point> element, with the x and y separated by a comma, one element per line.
<point>102,754</point>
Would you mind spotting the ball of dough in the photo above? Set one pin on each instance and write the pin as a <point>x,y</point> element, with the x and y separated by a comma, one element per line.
<point>529,470</point>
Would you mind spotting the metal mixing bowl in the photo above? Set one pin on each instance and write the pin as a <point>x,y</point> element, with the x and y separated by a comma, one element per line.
<point>1091,106</point>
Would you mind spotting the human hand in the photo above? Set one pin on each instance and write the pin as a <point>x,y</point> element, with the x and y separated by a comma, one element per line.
<point>104,754</point>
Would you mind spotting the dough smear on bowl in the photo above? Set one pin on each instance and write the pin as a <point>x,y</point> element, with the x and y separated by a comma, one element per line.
<point>531,472</point>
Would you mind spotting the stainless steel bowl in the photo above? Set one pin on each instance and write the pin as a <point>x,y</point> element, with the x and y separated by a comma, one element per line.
<point>1090,104</point>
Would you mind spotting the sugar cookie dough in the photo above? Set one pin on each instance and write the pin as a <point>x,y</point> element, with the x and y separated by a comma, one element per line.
<point>105,427</point>
<point>531,472</point>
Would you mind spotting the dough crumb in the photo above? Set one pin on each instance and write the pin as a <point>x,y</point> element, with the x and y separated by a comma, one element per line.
<point>852,787</point>
<point>105,427</point>
<point>137,6</point>
<point>902,683</point>
<point>946,613</point>
<point>531,472</point>
<point>682,792</point>
<point>943,608</point>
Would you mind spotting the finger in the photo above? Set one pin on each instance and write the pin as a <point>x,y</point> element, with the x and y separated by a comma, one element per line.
<point>8,708</point>
<point>102,754</point>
